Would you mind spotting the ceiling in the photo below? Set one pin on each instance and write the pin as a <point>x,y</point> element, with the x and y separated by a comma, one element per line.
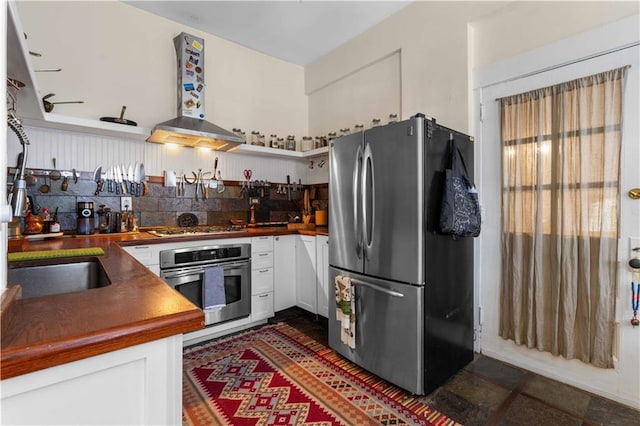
<point>298,32</point>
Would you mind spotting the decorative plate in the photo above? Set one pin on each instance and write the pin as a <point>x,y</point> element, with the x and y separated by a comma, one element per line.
<point>187,219</point>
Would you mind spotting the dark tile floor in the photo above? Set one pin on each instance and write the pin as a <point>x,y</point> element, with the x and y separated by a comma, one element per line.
<point>490,392</point>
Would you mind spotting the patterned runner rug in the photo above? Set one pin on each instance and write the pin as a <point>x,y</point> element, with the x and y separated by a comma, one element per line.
<point>276,375</point>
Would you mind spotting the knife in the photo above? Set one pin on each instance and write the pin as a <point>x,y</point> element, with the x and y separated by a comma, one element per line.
<point>120,183</point>
<point>130,179</point>
<point>143,180</point>
<point>110,179</point>
<point>97,177</point>
<point>136,180</point>
<point>123,176</point>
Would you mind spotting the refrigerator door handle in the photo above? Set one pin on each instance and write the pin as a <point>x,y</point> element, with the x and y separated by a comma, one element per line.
<point>368,201</point>
<point>377,288</point>
<point>356,204</point>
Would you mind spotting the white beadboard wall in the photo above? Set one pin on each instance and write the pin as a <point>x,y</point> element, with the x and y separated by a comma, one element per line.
<point>85,152</point>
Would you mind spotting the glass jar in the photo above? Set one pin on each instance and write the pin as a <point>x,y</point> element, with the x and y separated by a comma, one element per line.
<point>393,118</point>
<point>273,141</point>
<point>306,144</point>
<point>358,127</point>
<point>319,142</point>
<point>375,122</point>
<point>239,132</point>
<point>331,136</point>
<point>345,131</point>
<point>261,140</point>
<point>280,143</point>
<point>254,137</point>
<point>290,144</point>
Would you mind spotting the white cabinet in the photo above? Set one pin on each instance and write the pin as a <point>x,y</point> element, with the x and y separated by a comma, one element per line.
<point>261,278</point>
<point>138,385</point>
<point>284,272</point>
<point>324,290</point>
<point>147,255</point>
<point>306,273</point>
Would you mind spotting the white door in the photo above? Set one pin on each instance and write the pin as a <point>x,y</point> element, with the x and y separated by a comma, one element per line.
<point>488,174</point>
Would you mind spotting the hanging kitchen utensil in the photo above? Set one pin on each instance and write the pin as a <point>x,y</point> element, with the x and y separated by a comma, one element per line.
<point>55,173</point>
<point>97,178</point>
<point>121,119</point>
<point>220,183</point>
<point>48,106</point>
<point>45,188</point>
<point>31,179</point>
<point>65,184</point>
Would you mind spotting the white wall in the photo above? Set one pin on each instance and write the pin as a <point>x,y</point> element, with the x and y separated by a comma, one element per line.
<point>432,40</point>
<point>113,54</point>
<point>521,26</point>
<point>519,74</point>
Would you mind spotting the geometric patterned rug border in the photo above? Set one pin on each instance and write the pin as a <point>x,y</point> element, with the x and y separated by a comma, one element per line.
<point>276,375</point>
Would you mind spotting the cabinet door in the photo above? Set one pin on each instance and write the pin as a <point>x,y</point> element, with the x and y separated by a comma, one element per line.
<point>306,273</point>
<point>324,289</point>
<point>284,272</point>
<point>261,306</point>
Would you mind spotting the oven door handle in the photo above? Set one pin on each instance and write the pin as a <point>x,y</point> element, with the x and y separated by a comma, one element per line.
<point>199,270</point>
<point>173,275</point>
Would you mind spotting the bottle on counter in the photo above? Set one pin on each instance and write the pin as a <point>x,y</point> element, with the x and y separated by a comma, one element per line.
<point>46,220</point>
<point>55,225</point>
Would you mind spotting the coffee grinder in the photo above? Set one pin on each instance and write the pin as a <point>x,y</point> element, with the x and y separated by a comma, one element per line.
<point>86,221</point>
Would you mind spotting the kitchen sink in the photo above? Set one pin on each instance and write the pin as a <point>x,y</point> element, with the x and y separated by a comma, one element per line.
<point>45,280</point>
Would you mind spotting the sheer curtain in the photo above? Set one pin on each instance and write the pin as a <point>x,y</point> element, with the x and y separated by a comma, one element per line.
<point>561,162</point>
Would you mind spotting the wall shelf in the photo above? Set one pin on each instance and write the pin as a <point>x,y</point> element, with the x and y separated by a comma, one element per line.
<point>31,110</point>
<point>281,153</point>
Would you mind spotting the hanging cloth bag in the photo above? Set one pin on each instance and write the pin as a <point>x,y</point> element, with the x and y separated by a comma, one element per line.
<point>460,210</point>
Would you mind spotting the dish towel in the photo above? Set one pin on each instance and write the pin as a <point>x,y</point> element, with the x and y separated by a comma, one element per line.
<point>213,294</point>
<point>346,310</point>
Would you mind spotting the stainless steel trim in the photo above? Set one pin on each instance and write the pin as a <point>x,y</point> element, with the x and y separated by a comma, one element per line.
<point>377,288</point>
<point>196,270</point>
<point>368,191</point>
<point>357,170</point>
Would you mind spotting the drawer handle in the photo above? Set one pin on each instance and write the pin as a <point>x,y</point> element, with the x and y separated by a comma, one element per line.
<point>263,270</point>
<point>140,247</point>
<point>263,296</point>
<point>263,254</point>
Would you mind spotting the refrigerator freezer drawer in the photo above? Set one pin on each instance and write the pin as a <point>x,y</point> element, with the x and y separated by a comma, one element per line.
<point>389,330</point>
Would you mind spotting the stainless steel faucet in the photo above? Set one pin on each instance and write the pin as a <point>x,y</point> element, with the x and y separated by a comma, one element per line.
<point>18,196</point>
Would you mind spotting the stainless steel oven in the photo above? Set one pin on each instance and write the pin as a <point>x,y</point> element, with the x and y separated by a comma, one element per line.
<point>183,269</point>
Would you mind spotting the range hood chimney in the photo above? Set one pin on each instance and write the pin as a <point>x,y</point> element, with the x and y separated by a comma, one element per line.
<point>190,128</point>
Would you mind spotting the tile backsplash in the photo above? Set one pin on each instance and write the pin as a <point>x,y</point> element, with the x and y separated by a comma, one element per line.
<point>161,206</point>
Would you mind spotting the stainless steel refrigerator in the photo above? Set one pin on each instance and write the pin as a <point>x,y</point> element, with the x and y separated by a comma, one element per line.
<point>413,286</point>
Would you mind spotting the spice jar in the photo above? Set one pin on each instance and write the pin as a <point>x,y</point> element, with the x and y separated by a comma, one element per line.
<point>345,131</point>
<point>358,127</point>
<point>254,137</point>
<point>331,136</point>
<point>239,132</point>
<point>260,140</point>
<point>393,118</point>
<point>273,141</point>
<point>306,144</point>
<point>290,144</point>
<point>280,143</point>
<point>320,141</point>
<point>375,122</point>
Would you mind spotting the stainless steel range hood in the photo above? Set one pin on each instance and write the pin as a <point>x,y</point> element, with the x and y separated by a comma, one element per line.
<point>190,128</point>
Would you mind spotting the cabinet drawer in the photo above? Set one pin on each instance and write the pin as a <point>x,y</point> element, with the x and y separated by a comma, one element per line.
<point>259,244</point>
<point>261,280</point>
<point>262,306</point>
<point>262,260</point>
<point>143,254</point>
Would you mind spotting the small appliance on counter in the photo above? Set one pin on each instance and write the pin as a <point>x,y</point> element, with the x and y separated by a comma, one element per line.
<point>86,221</point>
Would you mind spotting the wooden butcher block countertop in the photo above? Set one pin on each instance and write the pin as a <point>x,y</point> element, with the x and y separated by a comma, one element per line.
<point>137,307</point>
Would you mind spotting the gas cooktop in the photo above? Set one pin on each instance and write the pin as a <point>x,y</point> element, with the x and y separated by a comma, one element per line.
<point>184,231</point>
